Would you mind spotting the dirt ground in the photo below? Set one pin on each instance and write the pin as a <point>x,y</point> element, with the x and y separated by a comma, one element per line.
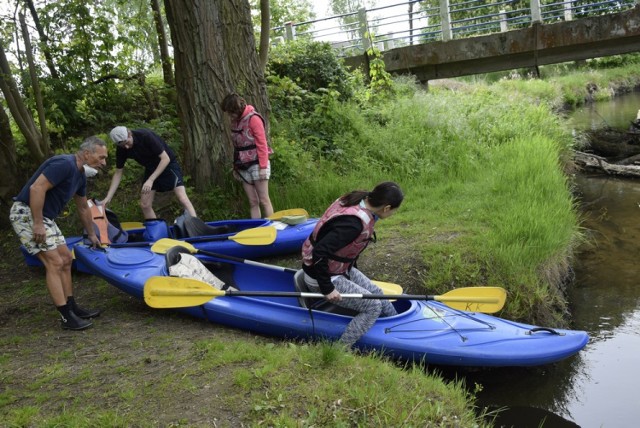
<point>58,371</point>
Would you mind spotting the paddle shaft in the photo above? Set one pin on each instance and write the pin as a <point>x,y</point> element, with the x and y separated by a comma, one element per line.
<point>245,261</point>
<point>207,238</point>
<point>218,293</point>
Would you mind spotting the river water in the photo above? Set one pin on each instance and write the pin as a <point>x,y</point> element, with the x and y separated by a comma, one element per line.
<point>599,386</point>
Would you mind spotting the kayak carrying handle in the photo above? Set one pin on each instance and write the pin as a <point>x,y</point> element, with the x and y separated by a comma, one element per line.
<point>547,329</point>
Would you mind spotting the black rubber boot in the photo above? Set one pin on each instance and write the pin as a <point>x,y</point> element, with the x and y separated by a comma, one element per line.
<point>82,313</point>
<point>70,321</point>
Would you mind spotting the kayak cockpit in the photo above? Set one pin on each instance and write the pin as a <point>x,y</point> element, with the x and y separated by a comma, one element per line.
<point>319,304</point>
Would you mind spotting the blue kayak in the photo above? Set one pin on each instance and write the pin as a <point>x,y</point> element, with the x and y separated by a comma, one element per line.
<point>423,330</point>
<point>211,236</point>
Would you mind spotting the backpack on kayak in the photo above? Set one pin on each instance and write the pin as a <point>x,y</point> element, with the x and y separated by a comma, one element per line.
<point>181,264</point>
<point>106,224</point>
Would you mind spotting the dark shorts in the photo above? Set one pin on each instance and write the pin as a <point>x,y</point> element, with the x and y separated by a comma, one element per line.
<point>170,178</point>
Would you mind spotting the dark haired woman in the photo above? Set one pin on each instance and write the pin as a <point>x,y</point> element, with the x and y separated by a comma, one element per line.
<point>330,253</point>
<point>251,164</point>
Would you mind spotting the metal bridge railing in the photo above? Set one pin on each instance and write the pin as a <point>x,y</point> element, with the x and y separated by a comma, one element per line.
<point>420,21</point>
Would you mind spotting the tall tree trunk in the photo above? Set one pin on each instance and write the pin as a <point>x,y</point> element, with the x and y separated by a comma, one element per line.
<point>35,82</point>
<point>44,40</point>
<point>214,50</point>
<point>21,114</point>
<point>247,77</point>
<point>10,179</point>
<point>167,71</point>
<point>265,30</point>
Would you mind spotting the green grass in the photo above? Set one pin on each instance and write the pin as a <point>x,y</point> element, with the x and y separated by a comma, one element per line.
<point>276,378</point>
<point>486,203</point>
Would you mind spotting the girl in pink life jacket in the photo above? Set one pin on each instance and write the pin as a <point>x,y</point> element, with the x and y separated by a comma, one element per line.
<point>251,164</point>
<point>329,254</point>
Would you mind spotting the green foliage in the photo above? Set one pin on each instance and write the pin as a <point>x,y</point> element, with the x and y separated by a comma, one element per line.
<point>311,65</point>
<point>282,12</point>
<point>614,61</point>
<point>380,82</point>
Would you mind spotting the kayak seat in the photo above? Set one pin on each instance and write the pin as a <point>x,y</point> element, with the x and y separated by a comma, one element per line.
<point>173,254</point>
<point>319,304</point>
<point>193,226</point>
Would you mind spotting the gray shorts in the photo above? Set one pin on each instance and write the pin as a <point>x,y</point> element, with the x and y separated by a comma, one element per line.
<point>22,222</point>
<point>251,174</point>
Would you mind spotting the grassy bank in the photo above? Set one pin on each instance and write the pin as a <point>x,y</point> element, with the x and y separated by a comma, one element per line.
<point>483,165</point>
<point>486,199</point>
<point>139,367</point>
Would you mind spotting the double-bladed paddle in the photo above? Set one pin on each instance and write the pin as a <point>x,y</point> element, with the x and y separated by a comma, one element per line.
<point>265,235</point>
<point>174,292</point>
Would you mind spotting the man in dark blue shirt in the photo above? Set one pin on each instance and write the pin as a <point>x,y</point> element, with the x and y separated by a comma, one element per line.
<point>161,170</point>
<point>58,180</point>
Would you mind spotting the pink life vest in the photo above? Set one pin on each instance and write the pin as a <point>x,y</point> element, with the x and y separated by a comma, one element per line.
<point>344,258</point>
<point>245,153</point>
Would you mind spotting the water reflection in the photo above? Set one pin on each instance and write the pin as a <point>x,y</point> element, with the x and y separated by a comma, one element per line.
<point>616,113</point>
<point>528,417</point>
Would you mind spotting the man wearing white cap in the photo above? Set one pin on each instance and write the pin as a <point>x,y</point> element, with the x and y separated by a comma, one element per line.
<point>161,170</point>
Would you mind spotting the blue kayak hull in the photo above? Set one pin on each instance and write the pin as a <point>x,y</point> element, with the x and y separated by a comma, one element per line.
<point>289,239</point>
<point>425,331</point>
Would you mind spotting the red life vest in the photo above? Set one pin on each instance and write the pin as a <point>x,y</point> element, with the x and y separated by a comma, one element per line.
<point>245,153</point>
<point>100,221</point>
<point>106,224</point>
<point>344,258</point>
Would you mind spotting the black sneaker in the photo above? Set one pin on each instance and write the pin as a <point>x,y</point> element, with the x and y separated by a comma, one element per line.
<point>86,313</point>
<point>73,322</point>
<point>81,312</point>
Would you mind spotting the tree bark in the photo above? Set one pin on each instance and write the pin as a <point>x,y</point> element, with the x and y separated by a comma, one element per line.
<point>597,163</point>
<point>10,180</point>
<point>35,84</point>
<point>44,40</point>
<point>20,112</point>
<point>265,30</point>
<point>247,78</point>
<point>167,70</point>
<point>215,54</point>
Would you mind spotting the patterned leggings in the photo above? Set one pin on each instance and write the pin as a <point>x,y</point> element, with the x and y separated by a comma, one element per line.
<point>369,309</point>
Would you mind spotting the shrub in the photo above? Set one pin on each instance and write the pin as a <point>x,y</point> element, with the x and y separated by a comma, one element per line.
<point>311,65</point>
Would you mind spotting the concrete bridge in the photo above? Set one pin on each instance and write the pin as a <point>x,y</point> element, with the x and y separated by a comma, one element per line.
<point>443,39</point>
<point>536,45</point>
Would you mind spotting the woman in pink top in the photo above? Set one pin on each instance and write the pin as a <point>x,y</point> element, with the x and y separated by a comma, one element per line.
<point>251,153</point>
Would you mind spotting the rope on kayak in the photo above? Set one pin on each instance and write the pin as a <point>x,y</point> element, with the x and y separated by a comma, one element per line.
<point>396,329</point>
<point>472,318</point>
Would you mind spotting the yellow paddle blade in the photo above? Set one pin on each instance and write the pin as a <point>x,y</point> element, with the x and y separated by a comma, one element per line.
<point>161,246</point>
<point>173,292</point>
<point>128,225</point>
<point>389,287</point>
<point>487,300</point>
<point>257,236</point>
<point>291,212</point>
